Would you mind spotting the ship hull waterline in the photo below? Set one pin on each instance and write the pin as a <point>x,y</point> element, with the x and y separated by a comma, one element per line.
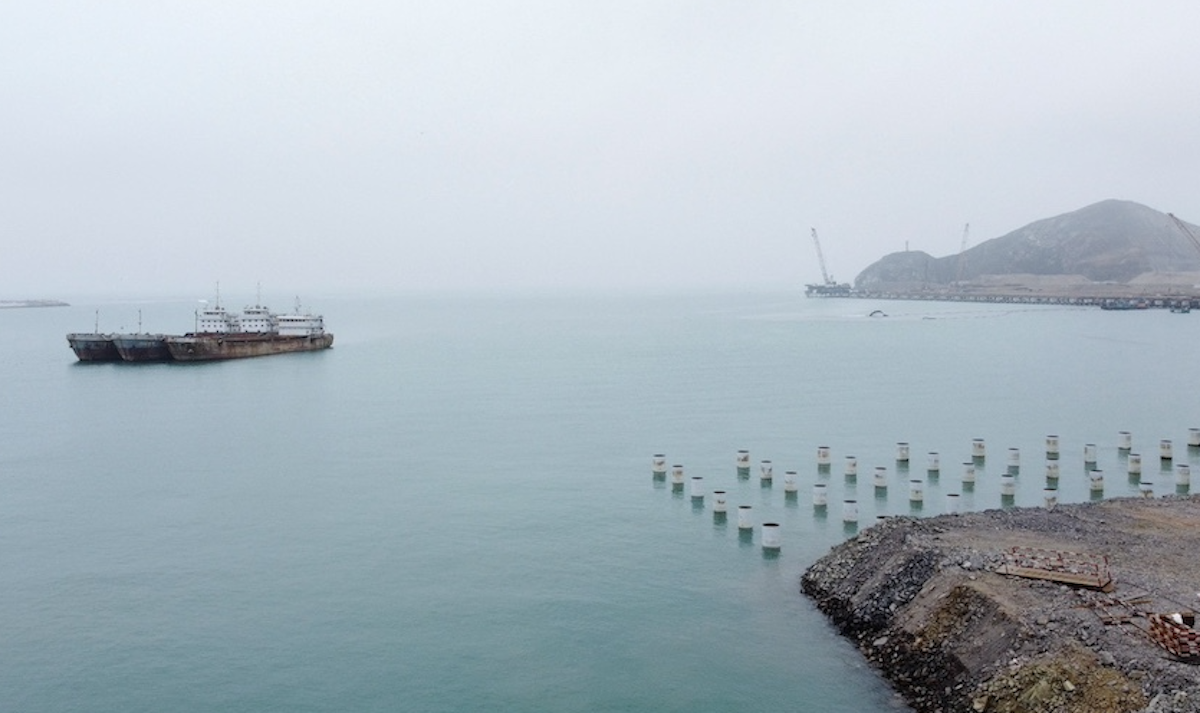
<point>93,347</point>
<point>233,346</point>
<point>142,347</point>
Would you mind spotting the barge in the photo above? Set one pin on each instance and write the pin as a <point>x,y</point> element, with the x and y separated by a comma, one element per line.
<point>142,347</point>
<point>93,346</point>
<point>218,335</point>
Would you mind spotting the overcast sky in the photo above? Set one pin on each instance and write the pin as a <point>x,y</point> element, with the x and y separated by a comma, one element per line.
<point>163,146</point>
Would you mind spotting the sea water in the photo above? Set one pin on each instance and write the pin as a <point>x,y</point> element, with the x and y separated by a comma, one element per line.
<point>453,509</point>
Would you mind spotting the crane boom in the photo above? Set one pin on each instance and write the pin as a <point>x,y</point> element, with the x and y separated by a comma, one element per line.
<point>821,258</point>
<point>828,288</point>
<point>962,253</point>
<point>1185,230</point>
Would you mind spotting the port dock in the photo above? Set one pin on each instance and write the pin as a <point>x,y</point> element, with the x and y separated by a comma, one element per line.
<point>1104,300</point>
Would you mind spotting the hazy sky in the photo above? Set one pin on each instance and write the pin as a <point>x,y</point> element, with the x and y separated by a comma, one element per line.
<point>644,144</point>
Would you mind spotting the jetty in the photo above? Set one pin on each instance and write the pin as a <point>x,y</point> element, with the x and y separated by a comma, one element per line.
<point>1086,607</point>
<point>1178,294</point>
<point>17,304</point>
<point>1110,301</point>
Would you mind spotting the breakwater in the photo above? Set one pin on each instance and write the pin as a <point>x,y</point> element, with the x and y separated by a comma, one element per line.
<point>926,602</point>
<point>17,304</point>
<point>1110,300</point>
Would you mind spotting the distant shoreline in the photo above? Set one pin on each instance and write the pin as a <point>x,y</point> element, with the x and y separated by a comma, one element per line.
<point>14,304</point>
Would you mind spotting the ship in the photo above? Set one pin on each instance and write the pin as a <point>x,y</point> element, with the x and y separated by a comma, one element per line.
<point>218,334</point>
<point>142,347</point>
<point>93,346</point>
<point>255,332</point>
<point>1124,304</point>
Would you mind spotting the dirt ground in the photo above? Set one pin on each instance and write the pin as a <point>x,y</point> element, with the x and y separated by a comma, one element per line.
<point>925,603</point>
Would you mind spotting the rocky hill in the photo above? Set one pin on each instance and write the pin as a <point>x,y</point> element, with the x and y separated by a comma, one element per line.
<point>1112,241</point>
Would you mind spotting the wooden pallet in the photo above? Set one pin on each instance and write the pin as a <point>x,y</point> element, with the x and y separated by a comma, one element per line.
<point>1089,581</point>
<point>1072,568</point>
<point>1178,638</point>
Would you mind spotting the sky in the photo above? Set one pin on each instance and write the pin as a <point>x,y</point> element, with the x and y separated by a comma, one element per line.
<point>367,146</point>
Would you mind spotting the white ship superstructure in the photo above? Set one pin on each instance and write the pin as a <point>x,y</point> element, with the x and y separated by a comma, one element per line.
<point>254,332</point>
<point>256,320</point>
<point>300,325</point>
<point>214,320</point>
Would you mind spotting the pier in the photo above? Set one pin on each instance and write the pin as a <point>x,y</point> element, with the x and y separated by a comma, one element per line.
<point>1116,299</point>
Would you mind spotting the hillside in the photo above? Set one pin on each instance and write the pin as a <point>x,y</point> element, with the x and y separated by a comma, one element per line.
<point>1113,241</point>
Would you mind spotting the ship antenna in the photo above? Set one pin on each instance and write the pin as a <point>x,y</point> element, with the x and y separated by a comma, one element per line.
<point>258,296</point>
<point>139,321</point>
<point>97,322</point>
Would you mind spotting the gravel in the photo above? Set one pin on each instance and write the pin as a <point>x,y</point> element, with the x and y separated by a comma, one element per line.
<point>923,601</point>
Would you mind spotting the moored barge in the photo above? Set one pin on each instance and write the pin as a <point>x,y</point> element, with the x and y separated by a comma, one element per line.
<point>219,335</point>
<point>93,346</point>
<point>142,347</point>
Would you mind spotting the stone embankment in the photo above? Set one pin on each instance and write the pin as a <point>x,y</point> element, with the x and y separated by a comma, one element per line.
<point>1161,290</point>
<point>13,304</point>
<point>924,603</point>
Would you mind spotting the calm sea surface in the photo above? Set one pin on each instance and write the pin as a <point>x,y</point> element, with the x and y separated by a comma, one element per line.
<point>453,508</point>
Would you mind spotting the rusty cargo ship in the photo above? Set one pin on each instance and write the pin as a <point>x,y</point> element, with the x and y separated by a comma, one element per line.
<point>240,346</point>
<point>142,347</point>
<point>218,335</point>
<point>93,346</point>
<point>255,332</point>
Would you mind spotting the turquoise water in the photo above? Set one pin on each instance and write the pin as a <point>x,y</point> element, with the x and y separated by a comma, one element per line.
<point>453,508</point>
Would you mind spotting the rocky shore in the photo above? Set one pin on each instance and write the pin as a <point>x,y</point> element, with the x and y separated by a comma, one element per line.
<point>924,603</point>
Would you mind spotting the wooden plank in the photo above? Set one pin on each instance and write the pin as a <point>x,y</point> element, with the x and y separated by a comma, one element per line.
<point>1089,581</point>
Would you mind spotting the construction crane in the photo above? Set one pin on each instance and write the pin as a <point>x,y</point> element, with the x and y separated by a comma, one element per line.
<point>1185,230</point>
<point>828,288</point>
<point>1186,304</point>
<point>821,258</point>
<point>962,254</point>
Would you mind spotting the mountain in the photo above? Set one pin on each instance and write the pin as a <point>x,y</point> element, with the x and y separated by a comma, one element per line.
<point>1110,241</point>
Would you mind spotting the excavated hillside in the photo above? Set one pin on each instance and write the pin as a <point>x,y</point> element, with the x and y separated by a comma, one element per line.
<point>1112,241</point>
<point>924,602</point>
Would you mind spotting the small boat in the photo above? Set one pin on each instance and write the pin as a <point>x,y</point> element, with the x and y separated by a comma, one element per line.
<point>1121,304</point>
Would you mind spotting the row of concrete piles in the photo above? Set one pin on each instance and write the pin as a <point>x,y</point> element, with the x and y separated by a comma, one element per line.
<point>770,534</point>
